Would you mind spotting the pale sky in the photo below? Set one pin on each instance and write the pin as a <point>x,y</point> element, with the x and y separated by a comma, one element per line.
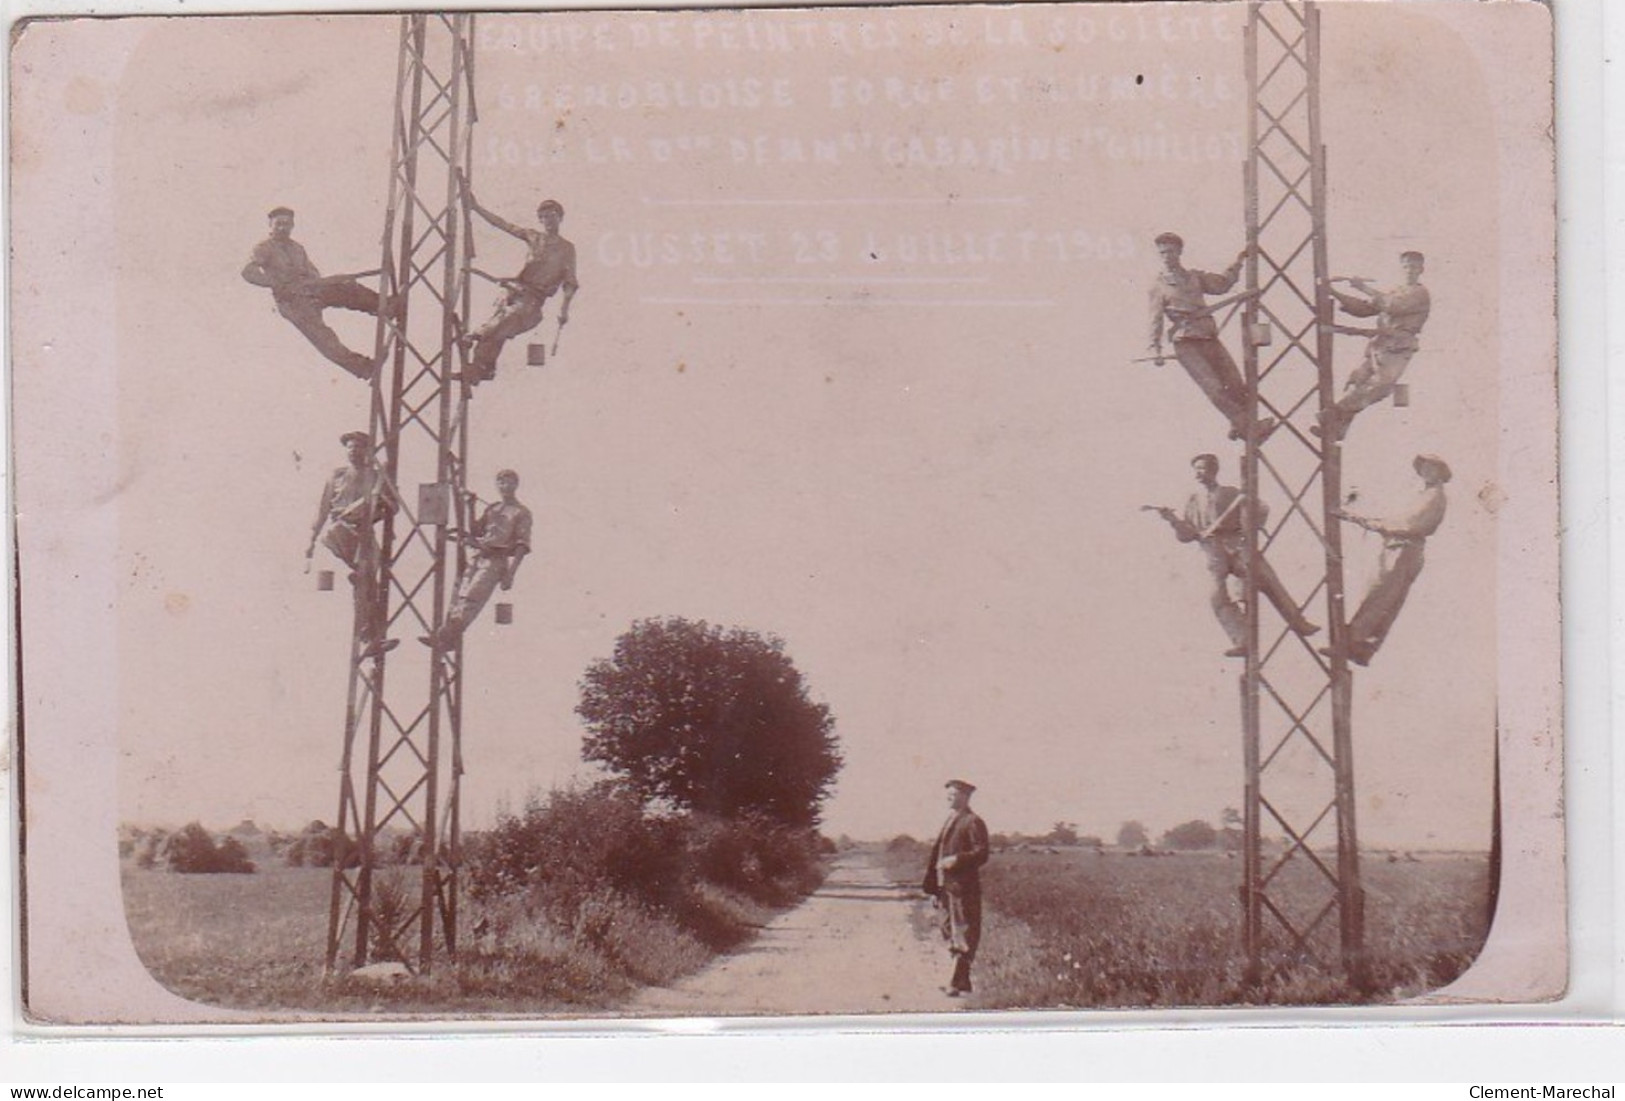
<point>924,475</point>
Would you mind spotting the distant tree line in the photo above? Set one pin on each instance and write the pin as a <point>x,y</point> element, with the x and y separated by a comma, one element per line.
<point>1132,836</point>
<point>193,849</point>
<point>1061,833</point>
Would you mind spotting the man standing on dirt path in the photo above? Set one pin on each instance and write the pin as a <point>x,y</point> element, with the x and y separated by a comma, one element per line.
<point>953,879</point>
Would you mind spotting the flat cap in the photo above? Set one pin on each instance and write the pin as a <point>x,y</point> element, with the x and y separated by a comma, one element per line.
<point>1434,461</point>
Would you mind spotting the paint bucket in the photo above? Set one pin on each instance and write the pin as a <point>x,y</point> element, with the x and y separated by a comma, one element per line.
<point>324,581</point>
<point>536,355</point>
<point>504,614</point>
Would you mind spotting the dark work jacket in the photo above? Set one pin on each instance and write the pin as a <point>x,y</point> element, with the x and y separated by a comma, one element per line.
<point>965,836</point>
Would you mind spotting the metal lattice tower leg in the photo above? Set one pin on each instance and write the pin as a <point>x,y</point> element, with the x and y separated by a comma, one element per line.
<point>405,707</point>
<point>1295,702</point>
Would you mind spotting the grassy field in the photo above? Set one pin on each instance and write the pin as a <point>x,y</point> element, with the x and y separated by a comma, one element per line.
<point>252,941</point>
<point>1073,928</point>
<point>1065,928</point>
<point>257,942</point>
<point>579,902</point>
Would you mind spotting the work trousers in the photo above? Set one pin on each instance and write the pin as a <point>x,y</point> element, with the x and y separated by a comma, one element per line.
<point>357,549</point>
<point>304,310</point>
<point>482,579</point>
<point>1400,568</point>
<point>962,925</point>
<point>1226,559</point>
<point>1375,378</point>
<point>519,312</point>
<point>1209,365</point>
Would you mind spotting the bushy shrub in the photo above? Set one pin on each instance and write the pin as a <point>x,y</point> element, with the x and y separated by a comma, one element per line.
<point>392,902</point>
<point>192,850</point>
<point>321,846</point>
<point>570,851</point>
<point>1194,834</point>
<point>756,856</point>
<point>231,855</point>
<point>587,885</point>
<point>577,841</point>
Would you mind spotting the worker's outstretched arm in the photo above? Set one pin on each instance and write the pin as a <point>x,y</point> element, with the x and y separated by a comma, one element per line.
<point>494,219</point>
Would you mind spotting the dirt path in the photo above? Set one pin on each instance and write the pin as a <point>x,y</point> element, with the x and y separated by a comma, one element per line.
<point>850,948</point>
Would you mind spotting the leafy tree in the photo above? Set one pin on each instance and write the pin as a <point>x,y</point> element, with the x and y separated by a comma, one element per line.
<point>1194,834</point>
<point>1062,833</point>
<point>1132,835</point>
<point>710,719</point>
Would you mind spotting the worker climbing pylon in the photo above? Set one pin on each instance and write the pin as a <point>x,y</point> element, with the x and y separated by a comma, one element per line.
<point>500,537</point>
<point>355,499</point>
<point>1400,312</point>
<point>550,266</point>
<point>1403,538</point>
<point>1179,308</point>
<point>1214,518</point>
<point>301,292</point>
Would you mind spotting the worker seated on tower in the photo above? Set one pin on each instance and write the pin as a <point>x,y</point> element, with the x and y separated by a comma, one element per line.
<point>1213,518</point>
<point>301,292</point>
<point>550,266</point>
<point>1401,312</point>
<point>355,499</point>
<point>1179,309</point>
<point>500,539</point>
<point>1403,538</point>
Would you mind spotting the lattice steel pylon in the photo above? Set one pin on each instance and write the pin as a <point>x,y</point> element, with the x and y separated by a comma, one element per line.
<point>403,717</point>
<point>1296,713</point>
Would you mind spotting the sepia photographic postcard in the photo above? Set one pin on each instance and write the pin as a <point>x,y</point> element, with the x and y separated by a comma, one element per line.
<point>922,514</point>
